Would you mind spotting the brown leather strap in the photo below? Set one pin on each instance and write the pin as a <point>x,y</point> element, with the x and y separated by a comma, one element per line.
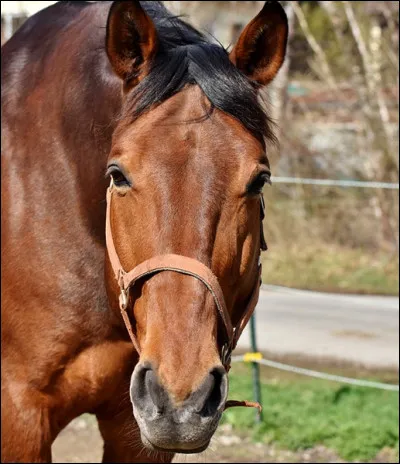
<point>251,305</point>
<point>183,265</point>
<point>128,325</point>
<point>246,404</point>
<point>263,243</point>
<point>112,252</point>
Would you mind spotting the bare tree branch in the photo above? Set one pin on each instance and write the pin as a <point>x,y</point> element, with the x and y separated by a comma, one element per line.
<point>314,45</point>
<point>362,48</point>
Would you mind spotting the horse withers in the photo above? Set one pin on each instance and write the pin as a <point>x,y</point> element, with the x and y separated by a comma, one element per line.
<point>136,324</point>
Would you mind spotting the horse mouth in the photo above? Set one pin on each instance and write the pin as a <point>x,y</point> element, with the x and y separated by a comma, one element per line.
<point>148,444</point>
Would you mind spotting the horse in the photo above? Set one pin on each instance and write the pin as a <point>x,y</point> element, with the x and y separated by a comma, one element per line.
<point>133,159</point>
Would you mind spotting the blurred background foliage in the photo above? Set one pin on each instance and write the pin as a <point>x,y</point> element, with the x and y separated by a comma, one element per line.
<point>343,125</point>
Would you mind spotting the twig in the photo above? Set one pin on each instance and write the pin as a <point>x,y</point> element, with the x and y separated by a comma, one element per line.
<point>314,45</point>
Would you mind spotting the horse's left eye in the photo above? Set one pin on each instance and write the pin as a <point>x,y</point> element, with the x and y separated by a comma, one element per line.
<point>256,185</point>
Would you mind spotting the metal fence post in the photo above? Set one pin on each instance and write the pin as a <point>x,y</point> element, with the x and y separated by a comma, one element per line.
<point>255,368</point>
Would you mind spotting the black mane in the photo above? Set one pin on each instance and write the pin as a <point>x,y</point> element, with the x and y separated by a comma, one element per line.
<point>188,57</point>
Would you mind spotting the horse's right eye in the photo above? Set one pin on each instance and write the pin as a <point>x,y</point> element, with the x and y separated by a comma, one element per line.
<point>118,177</point>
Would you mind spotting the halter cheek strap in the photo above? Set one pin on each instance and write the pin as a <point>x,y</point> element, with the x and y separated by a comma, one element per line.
<point>182,265</point>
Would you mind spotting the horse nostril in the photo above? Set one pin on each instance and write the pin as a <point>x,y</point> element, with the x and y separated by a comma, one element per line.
<point>212,393</point>
<point>157,393</point>
<point>146,391</point>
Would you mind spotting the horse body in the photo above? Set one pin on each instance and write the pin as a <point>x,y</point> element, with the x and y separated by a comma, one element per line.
<point>65,350</point>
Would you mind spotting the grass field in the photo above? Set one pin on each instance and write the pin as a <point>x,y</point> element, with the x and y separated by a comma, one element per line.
<point>304,421</point>
<point>331,268</point>
<point>299,413</point>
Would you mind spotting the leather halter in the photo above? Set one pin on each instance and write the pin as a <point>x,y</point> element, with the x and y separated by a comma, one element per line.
<point>182,265</point>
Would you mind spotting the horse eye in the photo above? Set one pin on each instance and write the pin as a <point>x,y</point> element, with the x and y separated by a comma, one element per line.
<point>255,187</point>
<point>118,178</point>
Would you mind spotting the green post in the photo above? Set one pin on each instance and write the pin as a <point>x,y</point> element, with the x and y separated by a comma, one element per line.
<point>255,368</point>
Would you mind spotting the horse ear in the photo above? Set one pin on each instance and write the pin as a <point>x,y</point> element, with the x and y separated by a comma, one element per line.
<point>131,40</point>
<point>260,50</point>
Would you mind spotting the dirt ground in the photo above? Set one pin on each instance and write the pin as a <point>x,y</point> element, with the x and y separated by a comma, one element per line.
<point>81,442</point>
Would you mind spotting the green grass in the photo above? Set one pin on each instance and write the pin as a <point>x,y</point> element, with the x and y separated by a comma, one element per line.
<point>332,269</point>
<point>355,422</point>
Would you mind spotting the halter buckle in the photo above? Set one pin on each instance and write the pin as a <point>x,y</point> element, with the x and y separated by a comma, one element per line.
<point>226,353</point>
<point>123,299</point>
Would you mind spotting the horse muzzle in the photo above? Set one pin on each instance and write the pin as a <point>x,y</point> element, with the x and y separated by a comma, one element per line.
<point>186,427</point>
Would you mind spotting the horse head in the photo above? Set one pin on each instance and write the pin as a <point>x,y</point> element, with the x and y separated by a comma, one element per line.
<point>188,163</point>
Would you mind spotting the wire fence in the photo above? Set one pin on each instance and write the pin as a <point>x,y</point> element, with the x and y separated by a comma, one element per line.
<point>357,216</point>
<point>255,358</point>
<point>338,183</point>
<point>311,373</point>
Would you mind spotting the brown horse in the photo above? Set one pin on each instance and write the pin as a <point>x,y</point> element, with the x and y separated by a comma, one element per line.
<point>128,91</point>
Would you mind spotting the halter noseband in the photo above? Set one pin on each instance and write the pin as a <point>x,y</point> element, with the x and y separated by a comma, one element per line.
<point>187,266</point>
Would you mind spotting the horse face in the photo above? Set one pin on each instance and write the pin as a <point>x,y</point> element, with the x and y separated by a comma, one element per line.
<point>187,180</point>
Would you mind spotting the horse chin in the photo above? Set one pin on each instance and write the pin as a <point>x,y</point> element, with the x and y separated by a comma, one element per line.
<point>149,445</point>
